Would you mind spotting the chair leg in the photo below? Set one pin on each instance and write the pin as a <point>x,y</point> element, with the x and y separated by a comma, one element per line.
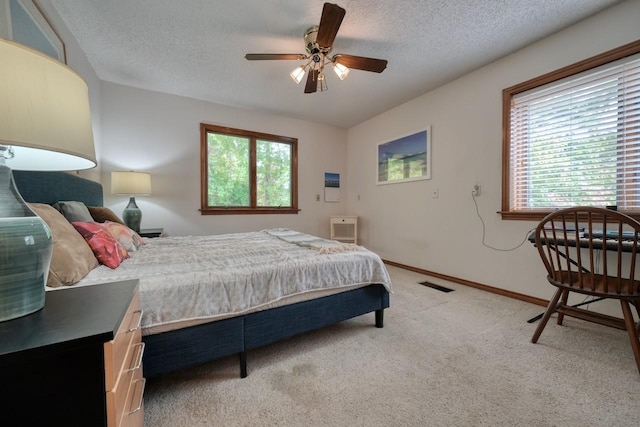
<point>631,329</point>
<point>563,301</point>
<point>551,308</point>
<point>637,306</point>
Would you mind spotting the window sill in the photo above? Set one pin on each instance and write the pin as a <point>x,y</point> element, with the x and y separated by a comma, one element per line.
<point>247,211</point>
<point>539,215</point>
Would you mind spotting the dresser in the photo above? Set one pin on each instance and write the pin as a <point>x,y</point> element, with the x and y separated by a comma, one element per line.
<point>76,362</point>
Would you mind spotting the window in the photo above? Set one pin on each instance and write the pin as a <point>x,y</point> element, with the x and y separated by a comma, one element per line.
<point>244,172</point>
<point>572,138</point>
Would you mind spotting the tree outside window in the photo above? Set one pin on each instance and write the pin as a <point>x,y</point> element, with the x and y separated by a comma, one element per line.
<point>245,172</point>
<point>572,138</point>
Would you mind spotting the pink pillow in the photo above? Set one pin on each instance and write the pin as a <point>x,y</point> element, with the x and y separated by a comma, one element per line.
<point>104,246</point>
<point>128,238</point>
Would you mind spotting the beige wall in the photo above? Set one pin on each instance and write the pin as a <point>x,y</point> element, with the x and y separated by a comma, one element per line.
<point>403,223</point>
<point>160,133</point>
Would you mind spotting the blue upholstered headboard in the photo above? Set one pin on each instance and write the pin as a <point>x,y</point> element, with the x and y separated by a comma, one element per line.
<point>52,187</point>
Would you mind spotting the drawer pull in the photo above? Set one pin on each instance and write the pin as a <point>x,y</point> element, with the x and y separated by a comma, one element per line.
<point>138,364</point>
<point>135,328</point>
<point>143,381</point>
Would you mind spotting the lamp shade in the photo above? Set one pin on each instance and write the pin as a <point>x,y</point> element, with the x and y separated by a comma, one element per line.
<point>341,70</point>
<point>131,183</point>
<point>322,83</point>
<point>45,124</point>
<point>44,112</point>
<point>297,74</point>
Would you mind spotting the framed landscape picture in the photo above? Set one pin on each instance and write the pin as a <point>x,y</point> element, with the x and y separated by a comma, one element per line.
<point>23,21</point>
<point>407,158</point>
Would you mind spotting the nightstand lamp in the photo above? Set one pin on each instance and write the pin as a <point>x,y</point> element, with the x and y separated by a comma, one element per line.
<point>132,184</point>
<point>45,124</point>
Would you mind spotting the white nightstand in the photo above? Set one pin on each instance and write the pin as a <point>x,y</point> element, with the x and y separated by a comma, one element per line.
<point>344,228</point>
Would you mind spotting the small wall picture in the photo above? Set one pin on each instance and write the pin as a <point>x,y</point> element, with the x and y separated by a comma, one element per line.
<point>331,187</point>
<point>407,158</point>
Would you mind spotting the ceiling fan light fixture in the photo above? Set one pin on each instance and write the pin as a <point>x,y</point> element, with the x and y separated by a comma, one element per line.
<point>318,41</point>
<point>322,83</point>
<point>297,74</point>
<point>341,70</point>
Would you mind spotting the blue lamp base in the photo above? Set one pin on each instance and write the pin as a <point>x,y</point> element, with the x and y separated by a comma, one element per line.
<point>26,246</point>
<point>132,215</point>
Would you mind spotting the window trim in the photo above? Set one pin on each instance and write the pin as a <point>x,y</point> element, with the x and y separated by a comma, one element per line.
<point>508,93</point>
<point>253,137</point>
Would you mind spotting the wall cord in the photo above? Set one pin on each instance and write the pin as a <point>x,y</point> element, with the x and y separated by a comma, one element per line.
<point>473,197</point>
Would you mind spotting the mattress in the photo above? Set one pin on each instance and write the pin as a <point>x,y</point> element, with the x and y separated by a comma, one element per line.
<point>187,280</point>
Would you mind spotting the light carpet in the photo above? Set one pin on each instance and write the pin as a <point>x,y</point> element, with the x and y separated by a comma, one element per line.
<point>461,358</point>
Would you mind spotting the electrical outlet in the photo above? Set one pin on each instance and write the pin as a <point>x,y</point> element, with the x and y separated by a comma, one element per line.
<point>317,197</point>
<point>435,193</point>
<point>476,190</point>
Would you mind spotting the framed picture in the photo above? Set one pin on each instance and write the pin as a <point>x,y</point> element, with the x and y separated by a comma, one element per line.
<point>331,187</point>
<point>24,21</point>
<point>407,158</point>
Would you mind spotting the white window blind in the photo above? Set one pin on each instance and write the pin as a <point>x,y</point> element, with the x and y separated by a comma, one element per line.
<point>576,141</point>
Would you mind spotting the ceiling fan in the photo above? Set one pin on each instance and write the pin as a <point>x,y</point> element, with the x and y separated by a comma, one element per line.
<point>318,41</point>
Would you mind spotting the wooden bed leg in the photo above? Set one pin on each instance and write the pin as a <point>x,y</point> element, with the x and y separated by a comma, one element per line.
<point>243,364</point>
<point>380,318</point>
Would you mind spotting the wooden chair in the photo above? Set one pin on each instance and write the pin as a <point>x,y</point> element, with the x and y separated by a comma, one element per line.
<point>600,268</point>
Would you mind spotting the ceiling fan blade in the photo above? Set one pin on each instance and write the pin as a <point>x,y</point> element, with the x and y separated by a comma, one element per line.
<point>330,21</point>
<point>361,63</point>
<point>263,56</point>
<point>312,82</point>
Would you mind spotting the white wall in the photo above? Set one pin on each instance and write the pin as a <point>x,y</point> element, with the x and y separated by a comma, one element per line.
<point>403,223</point>
<point>159,133</point>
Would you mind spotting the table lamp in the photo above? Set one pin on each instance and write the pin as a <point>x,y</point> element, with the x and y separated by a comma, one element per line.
<point>45,124</point>
<point>132,184</point>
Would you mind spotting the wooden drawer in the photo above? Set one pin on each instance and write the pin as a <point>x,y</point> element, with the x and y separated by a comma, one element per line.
<point>115,351</point>
<point>118,399</point>
<point>133,415</point>
<point>344,219</point>
<point>123,370</point>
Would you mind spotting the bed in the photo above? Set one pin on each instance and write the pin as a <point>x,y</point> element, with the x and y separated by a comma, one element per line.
<point>318,283</point>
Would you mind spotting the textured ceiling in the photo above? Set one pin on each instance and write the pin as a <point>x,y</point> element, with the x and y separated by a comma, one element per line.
<point>196,48</point>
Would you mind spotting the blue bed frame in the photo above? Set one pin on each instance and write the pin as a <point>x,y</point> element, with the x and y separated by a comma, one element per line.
<point>174,350</point>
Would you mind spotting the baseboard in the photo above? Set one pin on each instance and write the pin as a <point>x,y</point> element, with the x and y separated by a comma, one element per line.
<point>492,289</point>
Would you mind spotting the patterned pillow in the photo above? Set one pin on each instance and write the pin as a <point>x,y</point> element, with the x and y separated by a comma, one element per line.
<point>104,246</point>
<point>124,235</point>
